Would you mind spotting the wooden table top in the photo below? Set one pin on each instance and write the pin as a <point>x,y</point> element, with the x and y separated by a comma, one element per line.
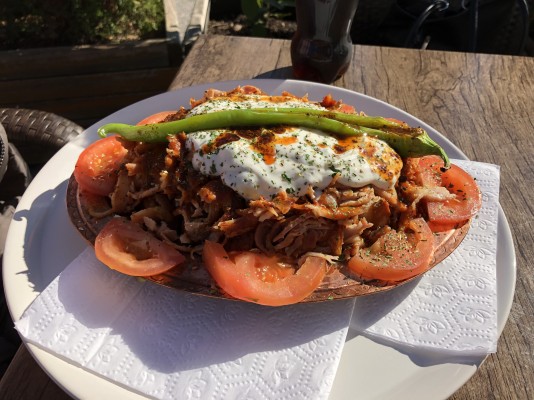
<point>482,103</point>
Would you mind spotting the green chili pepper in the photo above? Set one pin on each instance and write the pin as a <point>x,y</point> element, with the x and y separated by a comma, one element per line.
<point>352,119</point>
<point>407,142</point>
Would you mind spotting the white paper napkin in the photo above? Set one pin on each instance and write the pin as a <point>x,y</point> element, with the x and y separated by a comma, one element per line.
<point>453,307</point>
<point>171,345</point>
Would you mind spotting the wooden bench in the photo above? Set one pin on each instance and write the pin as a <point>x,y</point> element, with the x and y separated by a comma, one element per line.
<point>85,83</point>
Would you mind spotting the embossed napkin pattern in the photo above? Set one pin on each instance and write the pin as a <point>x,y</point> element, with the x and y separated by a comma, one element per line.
<point>453,307</point>
<point>167,344</point>
<point>170,345</point>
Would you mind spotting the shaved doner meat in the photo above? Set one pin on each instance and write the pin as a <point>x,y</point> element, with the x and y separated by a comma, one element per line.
<point>272,199</point>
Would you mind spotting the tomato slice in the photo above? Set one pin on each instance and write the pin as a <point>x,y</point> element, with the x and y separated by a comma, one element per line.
<point>124,246</point>
<point>254,277</point>
<point>396,256</point>
<point>155,118</point>
<point>97,166</point>
<point>447,214</point>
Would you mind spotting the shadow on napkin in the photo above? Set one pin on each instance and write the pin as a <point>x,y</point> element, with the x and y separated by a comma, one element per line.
<point>424,357</point>
<point>371,309</point>
<point>171,331</point>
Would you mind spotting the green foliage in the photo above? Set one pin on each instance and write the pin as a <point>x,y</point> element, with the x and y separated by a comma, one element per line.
<point>32,23</point>
<point>257,12</point>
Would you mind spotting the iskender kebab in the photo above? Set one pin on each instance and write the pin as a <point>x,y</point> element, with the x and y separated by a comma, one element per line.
<point>270,199</point>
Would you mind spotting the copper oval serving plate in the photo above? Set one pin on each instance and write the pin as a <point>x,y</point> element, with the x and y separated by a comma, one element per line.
<point>338,284</point>
<point>280,195</point>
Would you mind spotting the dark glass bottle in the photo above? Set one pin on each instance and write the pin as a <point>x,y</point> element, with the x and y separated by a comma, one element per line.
<point>321,48</point>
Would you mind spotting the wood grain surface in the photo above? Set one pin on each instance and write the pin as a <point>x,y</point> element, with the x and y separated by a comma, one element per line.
<point>482,103</point>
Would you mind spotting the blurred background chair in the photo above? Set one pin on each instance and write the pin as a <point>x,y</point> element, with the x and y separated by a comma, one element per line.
<point>485,26</point>
<point>28,139</point>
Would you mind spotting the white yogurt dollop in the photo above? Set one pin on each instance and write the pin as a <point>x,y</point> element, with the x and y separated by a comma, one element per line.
<point>290,160</point>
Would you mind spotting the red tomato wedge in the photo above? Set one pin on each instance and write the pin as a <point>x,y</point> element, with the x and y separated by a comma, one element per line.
<point>124,246</point>
<point>97,166</point>
<point>155,118</point>
<point>445,215</point>
<point>396,256</point>
<point>257,278</point>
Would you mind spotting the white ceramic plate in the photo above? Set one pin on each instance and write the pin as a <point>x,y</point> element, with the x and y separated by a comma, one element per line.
<point>41,243</point>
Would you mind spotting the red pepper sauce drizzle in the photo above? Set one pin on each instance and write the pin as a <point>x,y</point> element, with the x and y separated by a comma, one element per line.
<point>262,141</point>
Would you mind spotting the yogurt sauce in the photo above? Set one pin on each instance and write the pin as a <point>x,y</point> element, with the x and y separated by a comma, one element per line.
<point>267,161</point>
